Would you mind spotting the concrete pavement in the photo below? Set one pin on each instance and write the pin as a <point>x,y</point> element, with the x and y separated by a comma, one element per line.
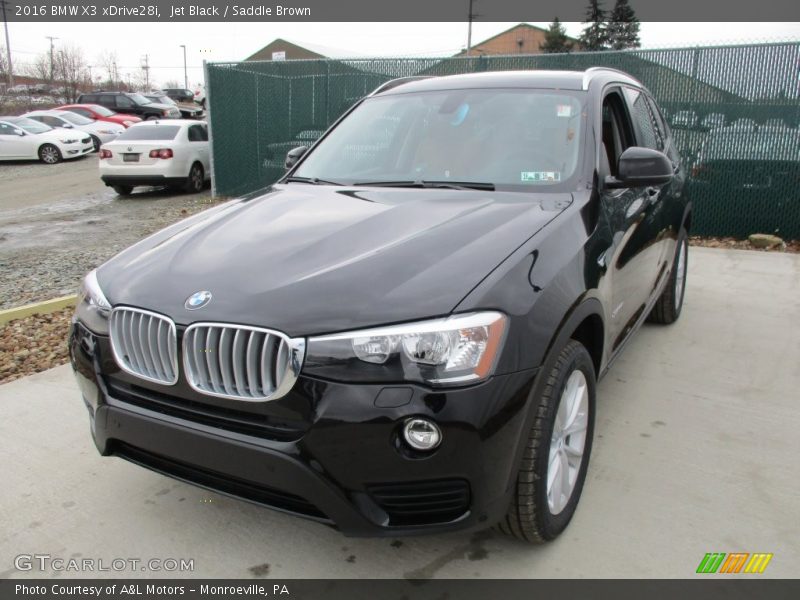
<point>696,451</point>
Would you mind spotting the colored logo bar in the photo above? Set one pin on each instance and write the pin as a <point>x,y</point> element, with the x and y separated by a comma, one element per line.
<point>735,562</point>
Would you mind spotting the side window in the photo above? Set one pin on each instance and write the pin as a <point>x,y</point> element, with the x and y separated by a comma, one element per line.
<point>52,121</point>
<point>646,132</point>
<point>124,102</point>
<point>106,101</point>
<point>666,134</point>
<point>617,131</point>
<point>197,134</point>
<point>6,129</point>
<point>82,112</point>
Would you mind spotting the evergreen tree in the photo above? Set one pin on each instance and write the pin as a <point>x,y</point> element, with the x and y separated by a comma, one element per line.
<point>623,27</point>
<point>594,36</point>
<point>555,40</point>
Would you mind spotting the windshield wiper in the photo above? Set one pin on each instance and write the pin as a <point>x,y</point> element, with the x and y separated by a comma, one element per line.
<point>453,185</point>
<point>311,180</point>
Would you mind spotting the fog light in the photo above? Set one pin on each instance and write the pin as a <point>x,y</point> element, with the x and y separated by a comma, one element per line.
<point>422,434</point>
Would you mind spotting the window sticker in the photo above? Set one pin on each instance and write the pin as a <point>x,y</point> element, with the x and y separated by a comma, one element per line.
<point>563,110</point>
<point>540,176</point>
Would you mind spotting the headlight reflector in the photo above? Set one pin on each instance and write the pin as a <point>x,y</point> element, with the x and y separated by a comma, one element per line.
<point>92,307</point>
<point>456,350</point>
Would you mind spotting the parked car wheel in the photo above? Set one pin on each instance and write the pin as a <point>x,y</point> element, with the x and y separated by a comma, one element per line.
<point>96,143</point>
<point>553,469</point>
<point>50,154</point>
<point>196,179</point>
<point>667,308</point>
<point>123,190</point>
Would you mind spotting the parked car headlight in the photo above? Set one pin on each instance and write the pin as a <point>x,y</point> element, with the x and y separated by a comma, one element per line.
<point>107,131</point>
<point>68,140</point>
<point>456,350</point>
<point>128,123</point>
<point>92,306</point>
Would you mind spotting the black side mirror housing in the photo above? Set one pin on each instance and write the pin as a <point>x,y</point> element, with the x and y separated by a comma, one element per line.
<point>293,155</point>
<point>641,167</point>
<point>20,133</point>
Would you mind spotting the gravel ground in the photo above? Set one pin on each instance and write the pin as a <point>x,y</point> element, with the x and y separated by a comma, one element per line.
<point>33,344</point>
<point>47,246</point>
<point>792,246</point>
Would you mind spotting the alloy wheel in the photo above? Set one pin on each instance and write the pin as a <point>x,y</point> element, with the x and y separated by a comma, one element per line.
<point>50,155</point>
<point>567,442</point>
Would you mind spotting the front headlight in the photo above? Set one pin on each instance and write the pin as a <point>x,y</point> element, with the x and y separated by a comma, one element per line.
<point>92,307</point>
<point>107,131</point>
<point>457,350</point>
<point>68,141</point>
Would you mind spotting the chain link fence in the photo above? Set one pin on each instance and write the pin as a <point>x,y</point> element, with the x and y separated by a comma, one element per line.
<point>734,113</point>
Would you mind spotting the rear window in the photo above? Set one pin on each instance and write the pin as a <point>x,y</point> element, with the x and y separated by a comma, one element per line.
<point>157,133</point>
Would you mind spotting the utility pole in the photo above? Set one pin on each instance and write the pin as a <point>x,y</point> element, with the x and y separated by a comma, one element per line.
<point>470,17</point>
<point>8,47</point>
<point>146,69</point>
<point>185,76</point>
<point>52,69</point>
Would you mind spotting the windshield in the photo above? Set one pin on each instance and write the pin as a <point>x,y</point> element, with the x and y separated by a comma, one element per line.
<point>514,139</point>
<point>138,99</point>
<point>75,119</point>
<point>101,110</point>
<point>150,133</point>
<point>29,125</point>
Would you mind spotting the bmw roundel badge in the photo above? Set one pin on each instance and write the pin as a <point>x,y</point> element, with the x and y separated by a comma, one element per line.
<point>198,300</point>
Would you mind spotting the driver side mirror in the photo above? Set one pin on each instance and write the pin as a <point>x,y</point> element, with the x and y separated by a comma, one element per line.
<point>293,155</point>
<point>641,167</point>
<point>67,125</point>
<point>19,132</point>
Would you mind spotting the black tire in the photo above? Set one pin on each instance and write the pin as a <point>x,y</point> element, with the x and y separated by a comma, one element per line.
<point>668,307</point>
<point>123,190</point>
<point>50,154</point>
<point>96,143</point>
<point>196,179</point>
<point>529,516</point>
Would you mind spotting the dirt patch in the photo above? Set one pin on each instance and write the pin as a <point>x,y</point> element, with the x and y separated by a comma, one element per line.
<point>33,344</point>
<point>792,246</point>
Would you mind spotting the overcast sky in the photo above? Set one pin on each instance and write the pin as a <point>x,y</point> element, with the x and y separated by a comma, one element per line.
<point>236,41</point>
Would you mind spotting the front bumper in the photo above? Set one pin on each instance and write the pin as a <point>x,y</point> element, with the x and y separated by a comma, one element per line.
<point>327,451</point>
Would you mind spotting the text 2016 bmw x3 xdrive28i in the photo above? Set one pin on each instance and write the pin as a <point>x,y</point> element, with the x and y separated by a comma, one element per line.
<point>403,335</point>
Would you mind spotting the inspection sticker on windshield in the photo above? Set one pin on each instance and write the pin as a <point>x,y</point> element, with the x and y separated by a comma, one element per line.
<point>563,110</point>
<point>540,176</point>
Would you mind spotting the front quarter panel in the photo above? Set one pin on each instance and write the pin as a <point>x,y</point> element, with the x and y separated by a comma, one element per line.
<point>543,281</point>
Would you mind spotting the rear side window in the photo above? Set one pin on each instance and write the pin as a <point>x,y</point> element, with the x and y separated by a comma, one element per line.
<point>106,100</point>
<point>88,98</point>
<point>156,133</point>
<point>81,111</point>
<point>198,133</point>
<point>644,122</point>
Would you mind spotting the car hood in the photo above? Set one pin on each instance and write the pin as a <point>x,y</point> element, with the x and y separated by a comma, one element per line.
<point>308,259</point>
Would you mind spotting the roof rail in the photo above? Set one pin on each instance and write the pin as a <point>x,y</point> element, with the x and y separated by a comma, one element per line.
<point>587,75</point>
<point>393,83</point>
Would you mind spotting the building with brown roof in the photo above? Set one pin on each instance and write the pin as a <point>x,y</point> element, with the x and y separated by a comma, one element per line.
<point>520,39</point>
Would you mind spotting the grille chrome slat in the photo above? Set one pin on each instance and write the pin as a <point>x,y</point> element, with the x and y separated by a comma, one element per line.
<point>241,362</point>
<point>143,344</point>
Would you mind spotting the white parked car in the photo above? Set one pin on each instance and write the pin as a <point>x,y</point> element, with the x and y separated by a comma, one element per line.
<point>22,138</point>
<point>171,152</point>
<point>100,131</point>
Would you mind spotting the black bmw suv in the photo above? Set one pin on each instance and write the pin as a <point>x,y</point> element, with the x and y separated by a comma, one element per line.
<point>131,103</point>
<point>404,334</point>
